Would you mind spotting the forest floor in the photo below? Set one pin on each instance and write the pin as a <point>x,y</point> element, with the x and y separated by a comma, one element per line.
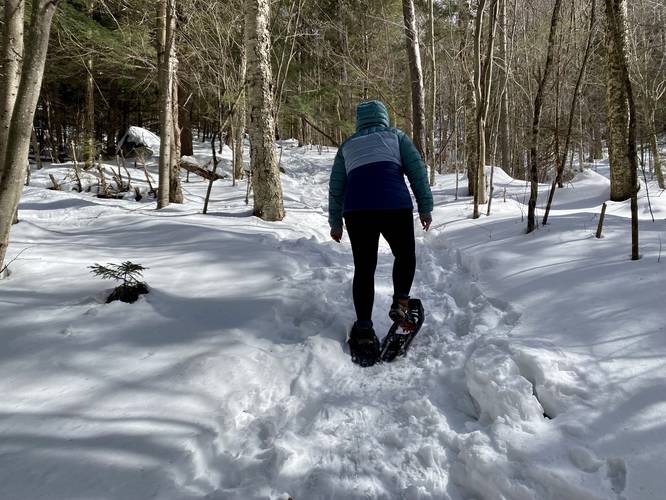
<point>540,372</point>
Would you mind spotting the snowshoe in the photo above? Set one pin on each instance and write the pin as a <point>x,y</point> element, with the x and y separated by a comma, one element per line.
<point>363,346</point>
<point>402,332</point>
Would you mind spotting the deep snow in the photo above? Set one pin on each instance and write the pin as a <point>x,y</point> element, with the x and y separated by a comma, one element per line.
<point>539,374</point>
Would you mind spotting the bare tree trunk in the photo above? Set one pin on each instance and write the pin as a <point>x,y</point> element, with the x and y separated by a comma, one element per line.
<point>596,145</point>
<point>581,148</point>
<point>618,105</point>
<point>165,42</point>
<point>433,91</point>
<point>285,59</point>
<point>416,77</point>
<point>469,147</point>
<point>20,124</point>
<point>616,40</point>
<point>656,156</point>
<point>538,103</point>
<point>504,104</point>
<point>175,189</point>
<point>268,203</point>
<point>482,86</point>
<point>89,150</point>
<point>572,113</point>
<point>239,120</point>
<point>37,150</point>
<point>185,103</point>
<point>11,56</point>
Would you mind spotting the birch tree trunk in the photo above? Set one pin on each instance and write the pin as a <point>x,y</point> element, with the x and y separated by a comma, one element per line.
<point>11,55</point>
<point>19,126</point>
<point>268,203</point>
<point>617,100</point>
<point>165,41</point>
<point>416,77</point>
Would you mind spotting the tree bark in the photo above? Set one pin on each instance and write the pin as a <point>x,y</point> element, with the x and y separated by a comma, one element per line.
<point>268,203</point>
<point>482,86</point>
<point>20,124</point>
<point>165,42</point>
<point>89,149</point>
<point>504,104</point>
<point>538,103</point>
<point>239,119</point>
<point>433,91</point>
<point>11,56</point>
<point>656,156</point>
<point>185,101</point>
<point>617,101</point>
<point>416,77</point>
<point>616,38</point>
<point>175,189</point>
<point>469,148</point>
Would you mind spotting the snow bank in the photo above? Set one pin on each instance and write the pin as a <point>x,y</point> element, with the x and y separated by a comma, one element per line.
<point>136,137</point>
<point>497,387</point>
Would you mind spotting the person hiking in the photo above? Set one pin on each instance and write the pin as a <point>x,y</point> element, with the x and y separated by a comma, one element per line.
<point>367,187</point>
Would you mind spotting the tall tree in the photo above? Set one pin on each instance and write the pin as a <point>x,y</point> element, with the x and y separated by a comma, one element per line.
<point>268,203</point>
<point>504,102</point>
<point>416,77</point>
<point>89,149</point>
<point>561,161</point>
<point>616,42</point>
<point>166,34</point>
<point>19,124</point>
<point>432,111</point>
<point>648,65</point>
<point>536,120</point>
<point>617,101</point>
<point>239,119</point>
<point>12,52</point>
<point>483,70</point>
<point>175,190</point>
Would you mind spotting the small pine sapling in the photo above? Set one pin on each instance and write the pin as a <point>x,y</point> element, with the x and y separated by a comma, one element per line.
<point>129,273</point>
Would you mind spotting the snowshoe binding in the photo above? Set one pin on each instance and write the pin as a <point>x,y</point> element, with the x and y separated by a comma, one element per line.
<point>363,345</point>
<point>407,321</point>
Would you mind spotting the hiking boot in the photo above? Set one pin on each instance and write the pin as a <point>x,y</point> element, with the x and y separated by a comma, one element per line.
<point>399,310</point>
<point>363,344</point>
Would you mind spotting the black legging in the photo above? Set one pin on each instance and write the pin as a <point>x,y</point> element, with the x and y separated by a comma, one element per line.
<point>364,228</point>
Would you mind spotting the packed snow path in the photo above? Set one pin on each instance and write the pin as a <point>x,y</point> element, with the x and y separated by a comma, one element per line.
<point>231,379</point>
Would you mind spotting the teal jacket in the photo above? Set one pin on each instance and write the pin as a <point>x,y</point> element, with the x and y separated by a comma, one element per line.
<point>370,168</point>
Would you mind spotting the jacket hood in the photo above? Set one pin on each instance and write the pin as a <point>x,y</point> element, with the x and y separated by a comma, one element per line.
<point>371,114</point>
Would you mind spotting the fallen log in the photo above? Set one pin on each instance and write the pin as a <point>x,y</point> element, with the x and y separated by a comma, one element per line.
<point>200,171</point>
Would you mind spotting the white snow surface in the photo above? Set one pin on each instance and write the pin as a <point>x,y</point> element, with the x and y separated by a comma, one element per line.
<point>540,372</point>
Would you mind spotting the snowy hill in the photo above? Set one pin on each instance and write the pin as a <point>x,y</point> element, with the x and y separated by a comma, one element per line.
<point>539,373</point>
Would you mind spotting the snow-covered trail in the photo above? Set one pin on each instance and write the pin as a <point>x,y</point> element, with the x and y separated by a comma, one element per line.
<point>231,379</point>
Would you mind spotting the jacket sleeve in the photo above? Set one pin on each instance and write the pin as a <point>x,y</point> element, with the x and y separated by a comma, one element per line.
<point>416,172</point>
<point>336,191</point>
